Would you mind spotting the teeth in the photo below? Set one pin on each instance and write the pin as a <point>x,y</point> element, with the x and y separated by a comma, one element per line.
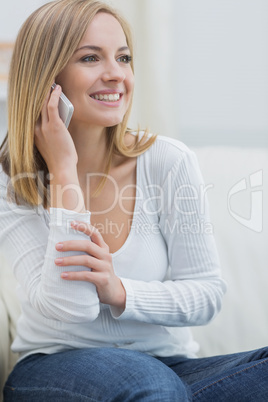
<point>107,97</point>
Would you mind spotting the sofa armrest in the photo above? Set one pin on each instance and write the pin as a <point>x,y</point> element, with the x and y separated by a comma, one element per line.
<point>4,345</point>
<point>237,217</point>
<point>9,313</point>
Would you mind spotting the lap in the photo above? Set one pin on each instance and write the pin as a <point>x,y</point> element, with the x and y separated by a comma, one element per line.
<point>240,376</point>
<point>101,374</point>
<point>113,374</point>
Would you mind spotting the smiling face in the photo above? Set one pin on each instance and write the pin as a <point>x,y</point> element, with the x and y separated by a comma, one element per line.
<point>98,79</point>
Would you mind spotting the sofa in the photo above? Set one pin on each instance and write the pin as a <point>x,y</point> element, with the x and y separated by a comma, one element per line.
<point>236,186</point>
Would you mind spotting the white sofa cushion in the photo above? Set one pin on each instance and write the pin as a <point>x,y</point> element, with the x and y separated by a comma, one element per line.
<point>243,322</point>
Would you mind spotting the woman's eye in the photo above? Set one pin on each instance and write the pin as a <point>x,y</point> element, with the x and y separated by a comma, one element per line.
<point>125,59</point>
<point>90,59</point>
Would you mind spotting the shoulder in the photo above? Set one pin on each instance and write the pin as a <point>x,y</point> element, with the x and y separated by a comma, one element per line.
<point>167,153</point>
<point>169,160</point>
<point>172,146</point>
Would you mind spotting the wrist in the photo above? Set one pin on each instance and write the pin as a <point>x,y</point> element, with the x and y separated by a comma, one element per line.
<point>63,176</point>
<point>120,303</point>
<point>65,191</point>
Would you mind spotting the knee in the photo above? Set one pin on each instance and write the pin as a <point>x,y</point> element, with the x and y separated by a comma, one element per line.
<point>152,380</point>
<point>169,388</point>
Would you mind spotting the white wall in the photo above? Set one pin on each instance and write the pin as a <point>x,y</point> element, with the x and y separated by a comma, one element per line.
<point>12,14</point>
<point>223,69</point>
<point>202,68</point>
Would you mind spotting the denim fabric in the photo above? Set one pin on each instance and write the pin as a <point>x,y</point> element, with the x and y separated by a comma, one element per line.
<point>239,377</point>
<point>107,374</point>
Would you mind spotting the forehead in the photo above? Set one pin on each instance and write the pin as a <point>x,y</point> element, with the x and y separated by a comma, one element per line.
<point>104,30</point>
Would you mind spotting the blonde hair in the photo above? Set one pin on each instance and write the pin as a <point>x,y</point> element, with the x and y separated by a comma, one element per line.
<point>44,45</point>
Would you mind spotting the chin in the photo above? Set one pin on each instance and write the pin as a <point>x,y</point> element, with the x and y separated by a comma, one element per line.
<point>113,122</point>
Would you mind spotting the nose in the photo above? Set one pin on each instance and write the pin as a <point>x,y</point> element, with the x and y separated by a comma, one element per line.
<point>113,72</point>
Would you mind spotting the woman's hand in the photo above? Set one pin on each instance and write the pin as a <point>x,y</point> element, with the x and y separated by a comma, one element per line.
<point>98,260</point>
<point>52,138</point>
<point>56,145</point>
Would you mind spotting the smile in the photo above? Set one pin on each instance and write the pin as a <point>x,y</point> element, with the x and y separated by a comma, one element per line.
<point>106,97</point>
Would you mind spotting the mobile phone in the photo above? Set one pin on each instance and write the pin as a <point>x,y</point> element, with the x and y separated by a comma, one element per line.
<point>66,108</point>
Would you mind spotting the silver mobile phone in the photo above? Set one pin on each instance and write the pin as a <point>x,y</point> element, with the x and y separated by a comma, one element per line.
<point>66,108</point>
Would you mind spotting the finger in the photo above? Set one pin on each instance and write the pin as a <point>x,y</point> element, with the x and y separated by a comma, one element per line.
<point>44,113</point>
<point>91,231</point>
<point>37,128</point>
<point>85,276</point>
<point>81,260</point>
<point>53,102</point>
<point>86,246</point>
<point>97,238</point>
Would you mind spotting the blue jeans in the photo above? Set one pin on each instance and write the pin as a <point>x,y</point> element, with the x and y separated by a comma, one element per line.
<point>110,374</point>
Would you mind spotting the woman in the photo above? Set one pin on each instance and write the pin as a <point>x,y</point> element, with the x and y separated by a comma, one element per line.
<point>98,223</point>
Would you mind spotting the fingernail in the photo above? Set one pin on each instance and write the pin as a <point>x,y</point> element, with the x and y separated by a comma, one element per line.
<point>59,246</point>
<point>57,87</point>
<point>58,261</point>
<point>64,275</point>
<point>74,224</point>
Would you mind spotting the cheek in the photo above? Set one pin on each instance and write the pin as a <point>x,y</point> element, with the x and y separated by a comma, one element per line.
<point>70,81</point>
<point>62,78</point>
<point>74,90</point>
<point>130,83</point>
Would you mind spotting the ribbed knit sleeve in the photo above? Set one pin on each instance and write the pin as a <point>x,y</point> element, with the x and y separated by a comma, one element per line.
<point>193,291</point>
<point>28,242</point>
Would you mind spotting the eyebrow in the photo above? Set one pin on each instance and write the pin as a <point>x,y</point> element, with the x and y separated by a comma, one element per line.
<point>99,49</point>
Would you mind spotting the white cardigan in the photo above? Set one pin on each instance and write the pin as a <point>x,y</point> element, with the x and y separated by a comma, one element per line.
<point>168,265</point>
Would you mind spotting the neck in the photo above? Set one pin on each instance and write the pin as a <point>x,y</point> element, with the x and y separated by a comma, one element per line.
<point>91,148</point>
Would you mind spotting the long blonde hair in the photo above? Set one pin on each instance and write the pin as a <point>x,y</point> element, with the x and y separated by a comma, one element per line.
<point>44,45</point>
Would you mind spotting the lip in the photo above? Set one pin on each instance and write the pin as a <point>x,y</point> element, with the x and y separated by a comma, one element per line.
<point>113,104</point>
<point>108,91</point>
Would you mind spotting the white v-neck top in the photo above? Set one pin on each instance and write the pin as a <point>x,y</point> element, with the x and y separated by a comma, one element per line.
<point>168,265</point>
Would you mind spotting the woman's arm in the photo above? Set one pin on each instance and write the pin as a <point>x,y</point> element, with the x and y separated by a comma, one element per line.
<point>97,265</point>
<point>193,294</point>
<point>28,244</point>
